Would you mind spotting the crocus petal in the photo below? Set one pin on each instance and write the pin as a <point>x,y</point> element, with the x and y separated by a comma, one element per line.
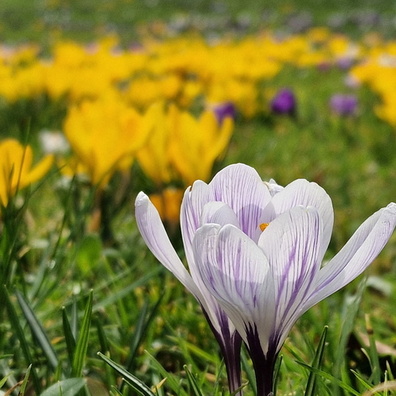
<point>216,213</point>
<point>235,271</point>
<point>291,246</point>
<point>39,170</point>
<point>157,240</point>
<point>219,213</point>
<point>273,187</point>
<point>304,193</point>
<point>363,247</point>
<point>195,198</point>
<point>241,187</point>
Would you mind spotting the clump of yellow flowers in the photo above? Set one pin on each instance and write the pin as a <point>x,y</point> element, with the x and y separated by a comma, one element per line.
<point>181,148</point>
<point>105,135</point>
<point>150,103</point>
<point>182,70</point>
<point>378,71</point>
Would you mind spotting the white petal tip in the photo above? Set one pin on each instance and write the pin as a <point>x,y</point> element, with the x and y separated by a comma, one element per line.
<point>141,199</point>
<point>392,207</point>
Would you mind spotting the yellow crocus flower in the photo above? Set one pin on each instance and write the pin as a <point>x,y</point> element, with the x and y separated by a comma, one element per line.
<point>154,157</point>
<point>197,143</point>
<point>182,147</point>
<point>16,171</point>
<point>104,135</point>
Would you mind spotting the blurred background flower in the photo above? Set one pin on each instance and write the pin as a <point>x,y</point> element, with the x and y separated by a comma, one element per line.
<point>17,170</point>
<point>284,102</point>
<point>344,105</point>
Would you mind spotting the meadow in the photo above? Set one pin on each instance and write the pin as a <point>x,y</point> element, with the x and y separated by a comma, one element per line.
<point>101,100</point>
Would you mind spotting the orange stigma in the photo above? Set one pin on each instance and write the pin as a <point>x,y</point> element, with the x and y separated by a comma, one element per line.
<point>263,226</point>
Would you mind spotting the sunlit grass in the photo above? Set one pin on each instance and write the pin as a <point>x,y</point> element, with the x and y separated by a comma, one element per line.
<point>79,280</point>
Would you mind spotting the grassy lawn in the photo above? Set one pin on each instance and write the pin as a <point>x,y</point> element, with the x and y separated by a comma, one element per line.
<point>76,277</point>
<point>44,20</point>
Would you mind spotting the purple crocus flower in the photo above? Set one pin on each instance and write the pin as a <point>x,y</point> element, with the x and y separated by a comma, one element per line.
<point>344,105</point>
<point>223,110</point>
<point>257,248</point>
<point>284,102</point>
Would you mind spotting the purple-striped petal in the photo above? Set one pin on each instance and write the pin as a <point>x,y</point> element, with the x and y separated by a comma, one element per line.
<point>291,245</point>
<point>219,213</point>
<point>363,247</point>
<point>304,193</point>
<point>195,198</point>
<point>241,187</point>
<point>157,240</point>
<point>236,272</point>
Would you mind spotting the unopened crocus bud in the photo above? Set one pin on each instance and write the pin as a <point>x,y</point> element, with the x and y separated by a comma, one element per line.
<point>223,110</point>
<point>284,102</point>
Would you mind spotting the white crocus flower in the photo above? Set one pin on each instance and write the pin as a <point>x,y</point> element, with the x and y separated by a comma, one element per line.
<point>255,252</point>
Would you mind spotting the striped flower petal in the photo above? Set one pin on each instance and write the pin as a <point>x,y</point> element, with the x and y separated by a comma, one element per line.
<point>236,272</point>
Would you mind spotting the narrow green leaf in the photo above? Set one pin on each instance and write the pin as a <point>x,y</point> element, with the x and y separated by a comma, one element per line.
<point>317,364</point>
<point>38,331</point>
<point>172,382</point>
<point>249,371</point>
<point>141,330</point>
<point>278,364</point>
<point>194,388</point>
<point>14,321</point>
<point>82,341</point>
<point>69,337</point>
<point>67,387</point>
<point>4,380</point>
<point>74,318</point>
<point>194,349</point>
<point>134,387</point>
<point>362,379</point>
<point>25,381</point>
<point>135,382</point>
<point>373,353</point>
<point>137,334</point>
<point>125,292</point>
<point>114,389</point>
<point>350,310</point>
<point>104,344</point>
<point>331,378</point>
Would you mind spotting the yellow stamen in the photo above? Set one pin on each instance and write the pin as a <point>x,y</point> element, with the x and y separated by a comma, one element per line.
<point>263,226</point>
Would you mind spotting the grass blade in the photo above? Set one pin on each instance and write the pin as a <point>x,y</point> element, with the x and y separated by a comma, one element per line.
<point>278,364</point>
<point>373,353</point>
<point>125,292</point>
<point>172,381</point>
<point>249,371</point>
<point>349,312</point>
<point>67,387</point>
<point>194,388</point>
<point>38,331</point>
<point>317,363</point>
<point>133,381</point>
<point>82,342</point>
<point>69,337</point>
<point>331,378</point>
<point>141,331</point>
<point>25,381</point>
<point>14,321</point>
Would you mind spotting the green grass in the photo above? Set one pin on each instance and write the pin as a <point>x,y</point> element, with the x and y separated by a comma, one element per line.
<point>101,315</point>
<point>47,20</point>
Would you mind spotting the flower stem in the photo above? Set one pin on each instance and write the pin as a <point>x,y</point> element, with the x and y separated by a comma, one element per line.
<point>263,364</point>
